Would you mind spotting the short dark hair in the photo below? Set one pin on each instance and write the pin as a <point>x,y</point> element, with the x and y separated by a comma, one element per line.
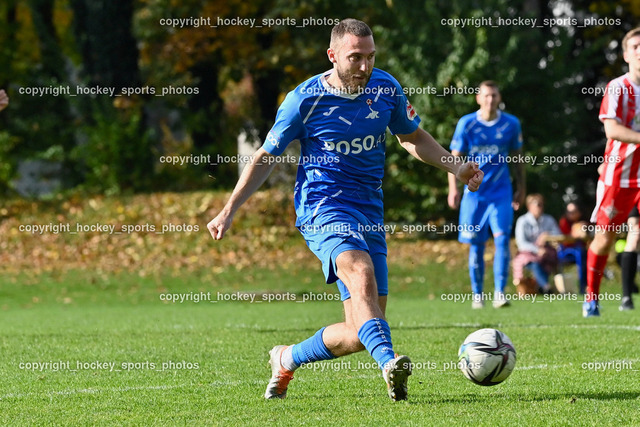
<point>349,26</point>
<point>488,83</point>
<point>632,33</point>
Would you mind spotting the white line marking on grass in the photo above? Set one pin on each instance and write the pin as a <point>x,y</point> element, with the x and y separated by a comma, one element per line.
<point>500,325</point>
<point>261,382</point>
<point>569,365</point>
<point>543,366</point>
<point>91,391</point>
<point>627,327</point>
<point>52,394</point>
<point>583,326</point>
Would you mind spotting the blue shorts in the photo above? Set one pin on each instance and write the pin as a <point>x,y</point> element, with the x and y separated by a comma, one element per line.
<point>476,216</point>
<point>332,232</point>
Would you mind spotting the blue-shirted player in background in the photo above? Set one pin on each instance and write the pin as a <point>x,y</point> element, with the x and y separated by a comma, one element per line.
<point>340,118</point>
<point>491,138</point>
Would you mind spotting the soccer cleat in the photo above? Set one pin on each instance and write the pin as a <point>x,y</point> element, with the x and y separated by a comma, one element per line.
<point>545,290</point>
<point>499,300</point>
<point>627,304</point>
<point>590,309</point>
<point>396,373</point>
<point>477,303</point>
<point>280,377</point>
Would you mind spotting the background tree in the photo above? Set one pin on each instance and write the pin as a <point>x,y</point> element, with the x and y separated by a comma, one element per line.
<point>225,79</point>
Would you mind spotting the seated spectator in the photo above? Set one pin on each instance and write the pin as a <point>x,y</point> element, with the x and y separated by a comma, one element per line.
<point>572,223</point>
<point>534,232</point>
<point>574,249</point>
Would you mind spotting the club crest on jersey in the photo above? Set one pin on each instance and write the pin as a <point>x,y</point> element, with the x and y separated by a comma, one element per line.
<point>499,131</point>
<point>373,114</point>
<point>411,113</point>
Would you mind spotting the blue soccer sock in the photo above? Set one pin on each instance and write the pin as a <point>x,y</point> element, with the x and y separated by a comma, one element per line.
<point>501,262</point>
<point>476,267</point>
<point>311,350</point>
<point>375,335</point>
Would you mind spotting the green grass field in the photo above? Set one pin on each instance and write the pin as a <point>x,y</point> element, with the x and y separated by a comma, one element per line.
<point>85,346</point>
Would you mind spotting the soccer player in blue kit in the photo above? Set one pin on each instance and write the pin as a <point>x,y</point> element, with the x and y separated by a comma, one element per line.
<point>491,138</point>
<point>340,118</point>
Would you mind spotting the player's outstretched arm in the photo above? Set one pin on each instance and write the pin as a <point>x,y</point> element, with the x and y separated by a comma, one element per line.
<point>253,176</point>
<point>620,132</point>
<point>423,147</point>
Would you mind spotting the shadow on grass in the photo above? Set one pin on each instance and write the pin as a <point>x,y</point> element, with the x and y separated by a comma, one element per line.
<point>446,326</point>
<point>491,398</point>
<point>262,330</point>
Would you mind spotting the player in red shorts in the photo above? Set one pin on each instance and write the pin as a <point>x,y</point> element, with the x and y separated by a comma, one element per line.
<point>620,176</point>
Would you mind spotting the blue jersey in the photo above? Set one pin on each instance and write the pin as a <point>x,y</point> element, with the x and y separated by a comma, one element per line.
<point>489,144</point>
<point>342,142</point>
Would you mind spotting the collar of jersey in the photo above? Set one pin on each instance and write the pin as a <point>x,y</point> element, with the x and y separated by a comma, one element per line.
<point>636,88</point>
<point>332,90</point>
<point>492,122</point>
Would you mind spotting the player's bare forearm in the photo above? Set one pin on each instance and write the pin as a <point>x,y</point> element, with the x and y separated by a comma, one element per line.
<point>423,147</point>
<point>453,182</point>
<point>520,178</point>
<point>253,176</point>
<point>619,132</point>
<point>454,196</point>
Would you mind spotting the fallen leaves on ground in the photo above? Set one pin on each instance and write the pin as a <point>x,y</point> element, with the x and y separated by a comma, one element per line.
<point>162,232</point>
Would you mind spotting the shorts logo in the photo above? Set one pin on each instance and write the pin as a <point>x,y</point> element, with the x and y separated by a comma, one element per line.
<point>468,234</point>
<point>610,211</point>
<point>350,233</point>
<point>356,235</point>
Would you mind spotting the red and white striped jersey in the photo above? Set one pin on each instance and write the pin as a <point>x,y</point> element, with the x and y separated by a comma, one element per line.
<point>622,160</point>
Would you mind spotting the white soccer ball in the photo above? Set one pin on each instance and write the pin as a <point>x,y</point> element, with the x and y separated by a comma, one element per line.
<point>487,357</point>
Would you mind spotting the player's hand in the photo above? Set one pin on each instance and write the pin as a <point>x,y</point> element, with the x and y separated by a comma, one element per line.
<point>542,239</point>
<point>454,199</point>
<point>219,225</point>
<point>518,200</point>
<point>471,175</point>
<point>4,100</point>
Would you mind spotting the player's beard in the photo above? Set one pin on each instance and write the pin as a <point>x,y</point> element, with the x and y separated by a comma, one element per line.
<point>351,83</point>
